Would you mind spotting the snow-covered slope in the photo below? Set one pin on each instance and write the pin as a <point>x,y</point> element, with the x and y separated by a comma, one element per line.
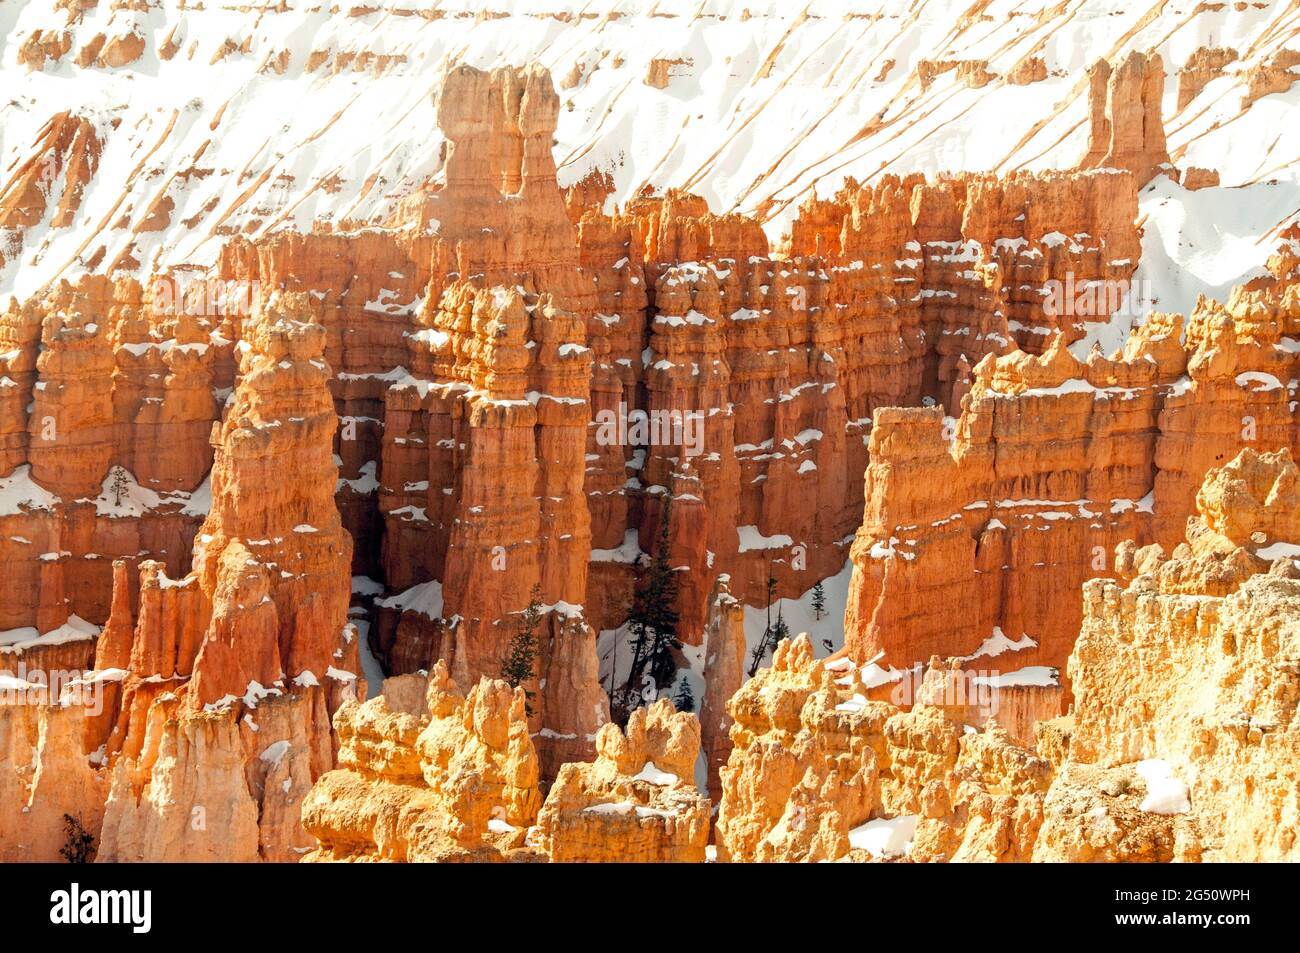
<point>284,114</point>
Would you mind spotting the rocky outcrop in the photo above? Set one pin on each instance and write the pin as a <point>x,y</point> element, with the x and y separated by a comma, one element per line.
<point>637,802</point>
<point>1125,126</point>
<point>821,773</point>
<point>205,713</point>
<point>1178,747</point>
<point>724,673</point>
<point>45,776</point>
<point>434,776</point>
<point>475,392</point>
<point>1203,67</point>
<point>1185,678</point>
<point>497,398</point>
<point>57,170</point>
<point>964,506</point>
<point>1274,75</point>
<point>428,775</point>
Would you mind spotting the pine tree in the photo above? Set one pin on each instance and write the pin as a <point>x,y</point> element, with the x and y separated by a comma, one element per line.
<point>652,621</point>
<point>780,631</point>
<point>684,700</point>
<point>772,637</point>
<point>119,485</point>
<point>518,666</point>
<point>819,601</point>
<point>79,844</point>
<point>760,650</point>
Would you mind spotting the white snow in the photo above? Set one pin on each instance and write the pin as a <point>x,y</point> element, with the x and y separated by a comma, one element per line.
<point>275,753</point>
<point>800,617</point>
<point>424,598</point>
<point>1278,550</point>
<point>653,775</point>
<point>370,666</point>
<point>998,643</point>
<point>751,539</point>
<point>855,704</point>
<point>76,629</point>
<point>1265,381</point>
<point>626,552</point>
<point>1166,794</point>
<point>18,491</point>
<point>1042,676</point>
<point>365,586</point>
<point>885,837</point>
<point>735,79</point>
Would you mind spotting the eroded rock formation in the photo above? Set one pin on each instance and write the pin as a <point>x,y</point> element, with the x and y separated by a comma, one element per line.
<point>962,512</point>
<point>637,802</point>
<point>431,775</point>
<point>1179,747</point>
<point>1125,127</point>
<point>443,407</point>
<point>205,716</point>
<point>1185,675</point>
<point>428,774</point>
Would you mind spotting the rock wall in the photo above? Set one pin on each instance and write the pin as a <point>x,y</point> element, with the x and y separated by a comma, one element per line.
<point>1179,745</point>
<point>204,717</point>
<point>978,532</point>
<point>1189,661</point>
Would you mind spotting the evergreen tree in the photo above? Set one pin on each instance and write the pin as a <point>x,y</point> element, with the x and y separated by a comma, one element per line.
<point>652,621</point>
<point>780,631</point>
<point>118,486</point>
<point>760,650</point>
<point>518,666</point>
<point>772,637</point>
<point>819,601</point>
<point>79,844</point>
<point>685,698</point>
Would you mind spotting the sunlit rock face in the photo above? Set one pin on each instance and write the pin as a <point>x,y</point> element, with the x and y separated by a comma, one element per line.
<point>311,396</point>
<point>1178,745</point>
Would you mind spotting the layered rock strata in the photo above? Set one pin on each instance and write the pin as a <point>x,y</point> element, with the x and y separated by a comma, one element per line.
<point>204,717</point>
<point>456,393</point>
<point>1180,744</point>
<point>974,545</point>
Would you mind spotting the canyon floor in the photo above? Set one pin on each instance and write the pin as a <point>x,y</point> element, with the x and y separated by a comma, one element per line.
<point>557,431</point>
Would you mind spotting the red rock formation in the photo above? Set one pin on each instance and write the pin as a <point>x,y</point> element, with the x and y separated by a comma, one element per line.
<point>1126,129</point>
<point>1204,66</point>
<point>1177,749</point>
<point>497,398</point>
<point>62,161</point>
<point>1184,675</point>
<point>426,406</point>
<point>434,776</point>
<point>1052,463</point>
<point>636,803</point>
<point>211,718</point>
<point>444,777</point>
<point>724,673</point>
<point>1274,75</point>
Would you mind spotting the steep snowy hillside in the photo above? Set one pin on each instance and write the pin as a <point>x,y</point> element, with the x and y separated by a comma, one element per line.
<point>218,119</point>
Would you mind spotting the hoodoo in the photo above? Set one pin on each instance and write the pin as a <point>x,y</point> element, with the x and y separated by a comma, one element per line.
<point>640,433</point>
